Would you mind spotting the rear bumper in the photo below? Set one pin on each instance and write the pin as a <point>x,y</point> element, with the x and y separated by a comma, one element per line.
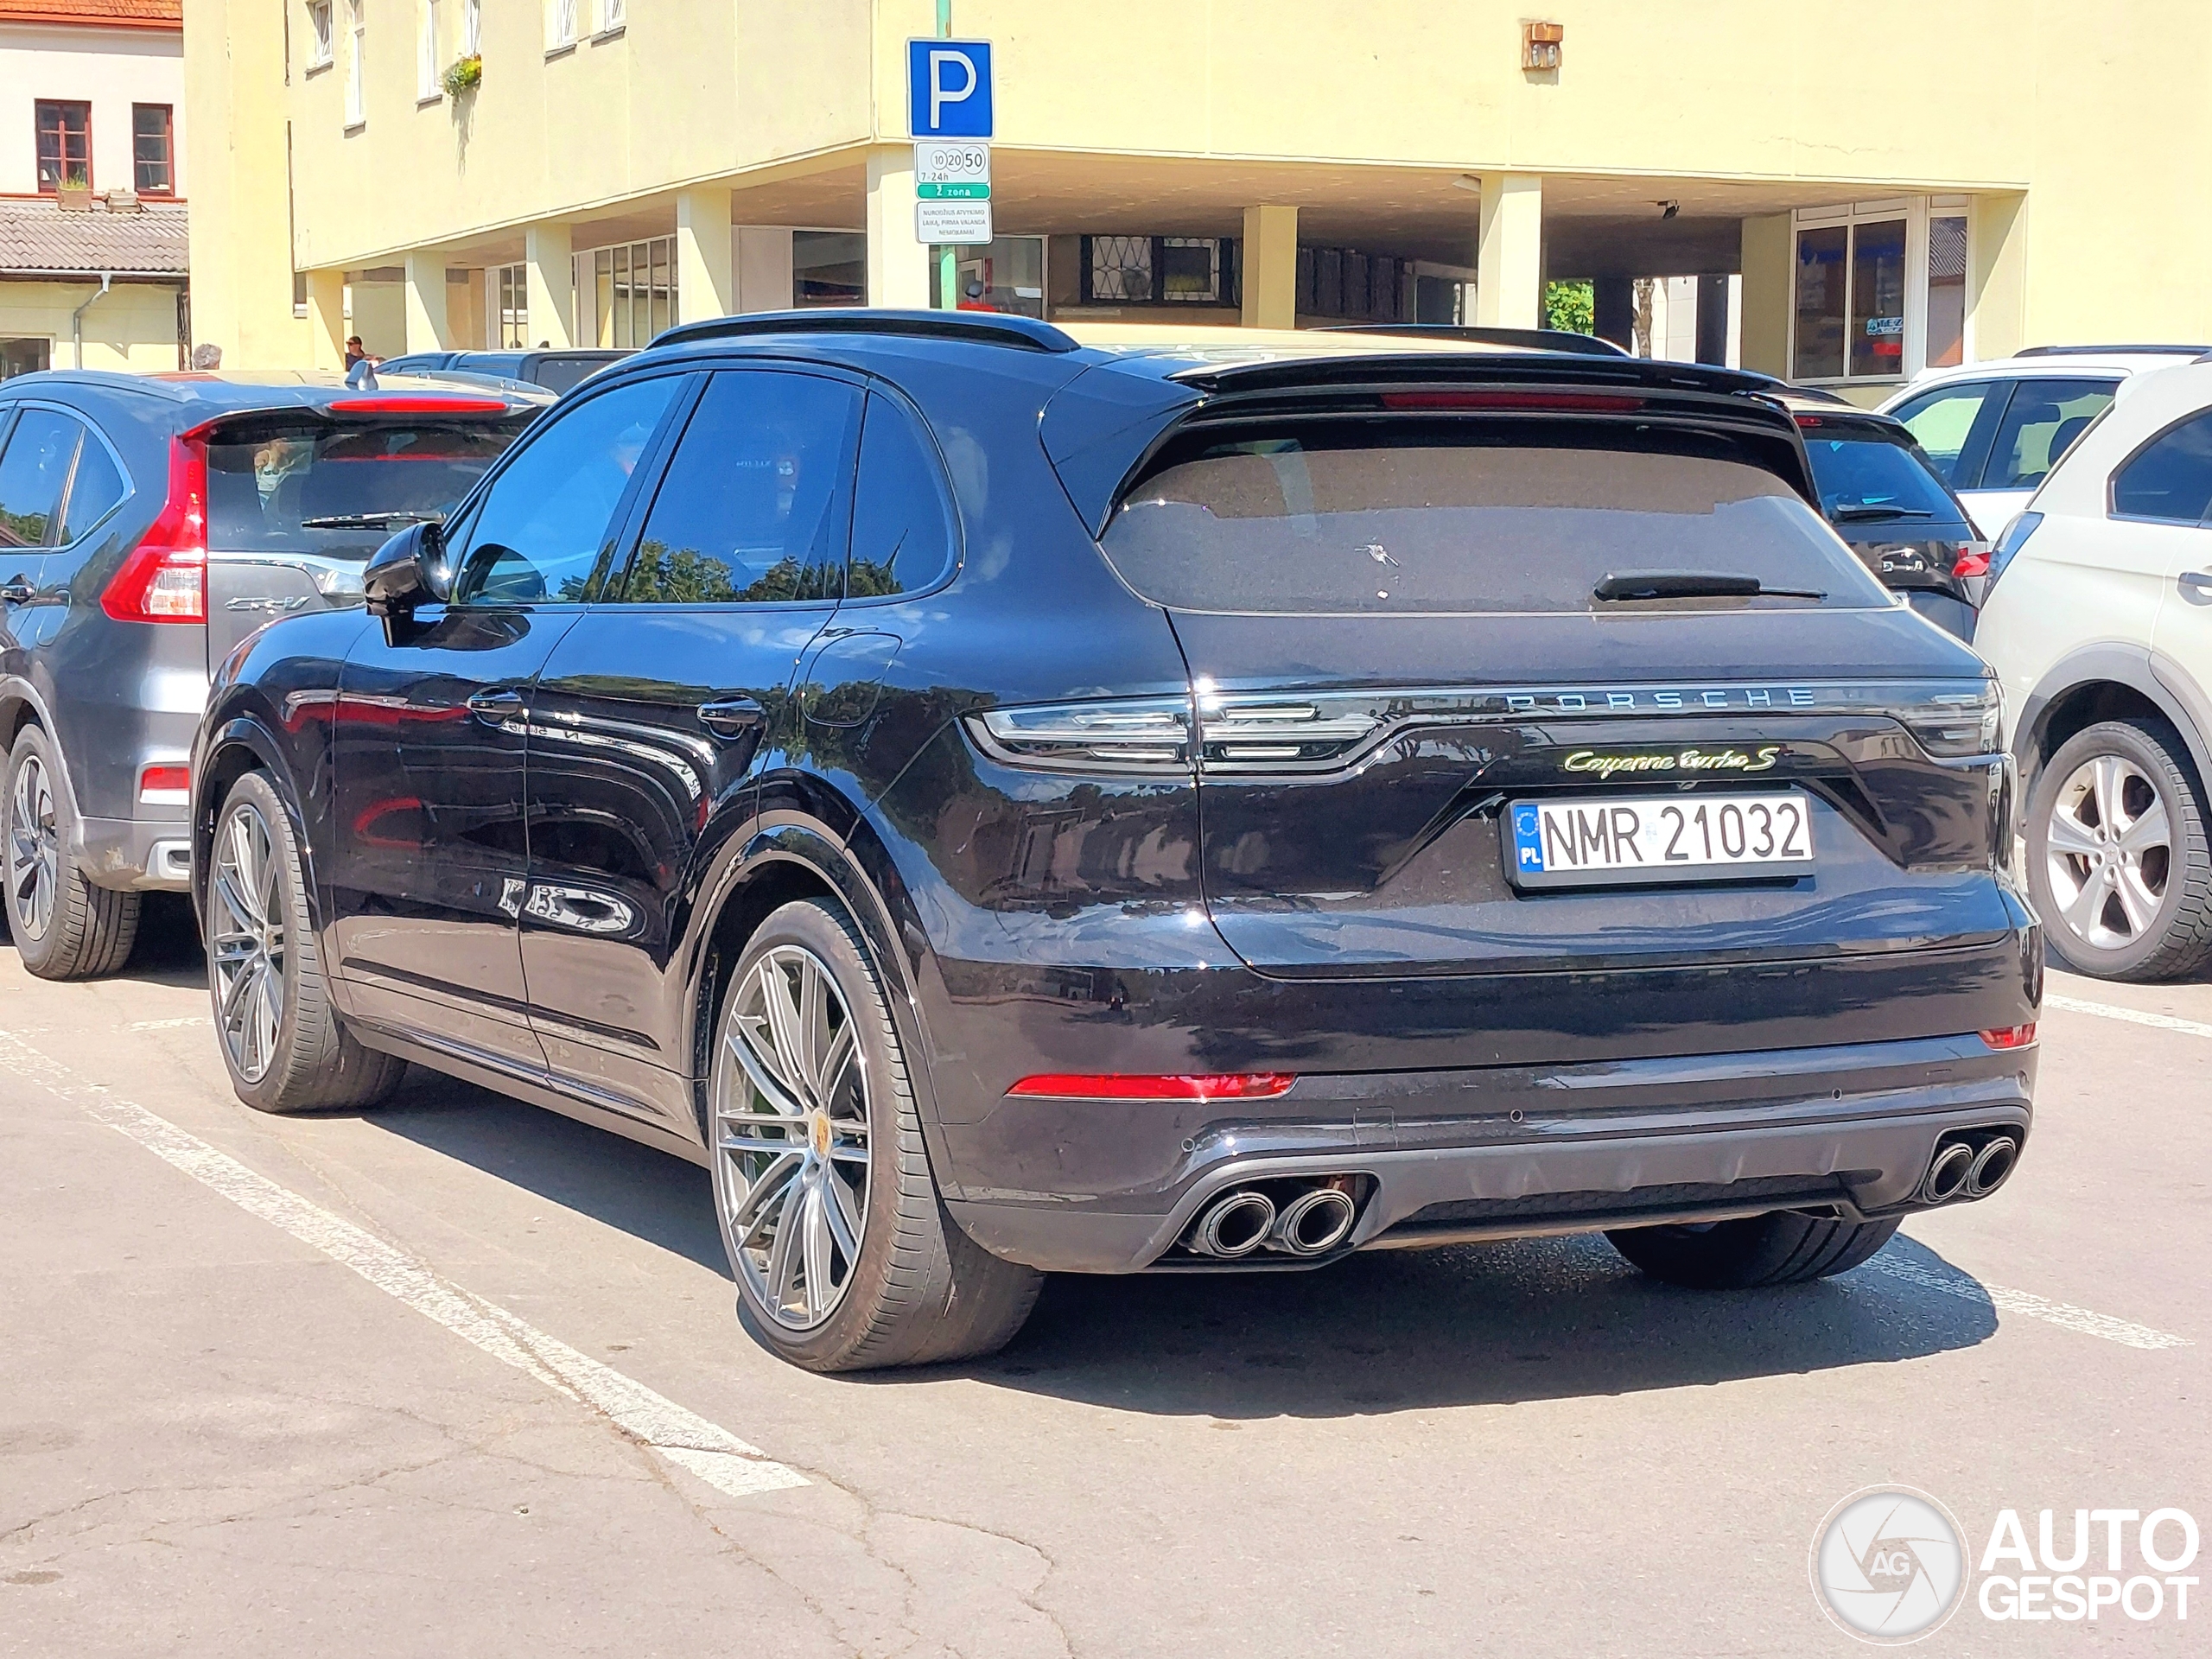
<point>1512,1151</point>
<point>146,856</point>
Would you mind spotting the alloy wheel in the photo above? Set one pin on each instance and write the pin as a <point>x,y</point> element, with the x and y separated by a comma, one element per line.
<point>246,940</point>
<point>2108,852</point>
<point>33,849</point>
<point>792,1137</point>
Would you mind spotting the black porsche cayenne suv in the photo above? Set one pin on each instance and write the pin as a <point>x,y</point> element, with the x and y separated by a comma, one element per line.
<point>1010,800</point>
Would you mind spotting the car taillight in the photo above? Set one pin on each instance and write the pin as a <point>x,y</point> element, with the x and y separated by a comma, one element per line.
<point>2011,1036</point>
<point>165,578</point>
<point>1972,561</point>
<point>1232,1085</point>
<point>165,786</point>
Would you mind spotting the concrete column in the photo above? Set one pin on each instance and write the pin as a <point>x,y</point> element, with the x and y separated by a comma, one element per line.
<point>426,302</point>
<point>1612,310</point>
<point>1713,319</point>
<point>326,319</point>
<point>1997,277</point>
<point>1509,261</point>
<point>1769,273</point>
<point>704,281</point>
<point>1270,261</point>
<point>898,266</point>
<point>551,281</point>
<point>762,256</point>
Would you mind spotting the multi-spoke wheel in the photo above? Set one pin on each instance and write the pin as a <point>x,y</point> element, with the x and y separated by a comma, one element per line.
<point>2117,856</point>
<point>282,1041</point>
<point>64,927</point>
<point>844,1258</point>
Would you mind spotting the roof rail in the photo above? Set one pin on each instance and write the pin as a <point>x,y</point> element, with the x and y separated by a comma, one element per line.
<point>2112,351</point>
<point>984,328</point>
<point>1542,340</point>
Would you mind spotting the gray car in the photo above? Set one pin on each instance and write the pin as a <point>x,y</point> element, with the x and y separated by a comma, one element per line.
<point>148,524</point>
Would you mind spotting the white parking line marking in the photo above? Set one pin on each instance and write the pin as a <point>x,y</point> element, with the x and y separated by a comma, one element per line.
<point>2133,1016</point>
<point>169,1025</point>
<point>683,1437</point>
<point>2065,1315</point>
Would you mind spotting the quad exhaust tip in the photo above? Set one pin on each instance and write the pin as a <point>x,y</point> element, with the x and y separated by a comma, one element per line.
<point>1947,1177</point>
<point>1312,1223</point>
<point>1991,1166</point>
<point>1971,1168</point>
<point>1233,1226</point>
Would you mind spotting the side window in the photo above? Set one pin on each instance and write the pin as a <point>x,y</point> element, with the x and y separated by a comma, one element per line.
<point>2171,477</point>
<point>754,505</point>
<point>543,525</point>
<point>33,470</point>
<point>93,492</point>
<point>1940,421</point>
<point>902,527</point>
<point>2041,421</point>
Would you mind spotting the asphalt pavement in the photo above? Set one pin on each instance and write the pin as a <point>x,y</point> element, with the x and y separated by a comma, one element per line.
<point>464,1377</point>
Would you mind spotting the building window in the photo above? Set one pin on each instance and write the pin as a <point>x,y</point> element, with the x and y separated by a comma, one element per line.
<point>1879,291</point>
<point>1007,275</point>
<point>560,24</point>
<point>829,268</point>
<point>426,53</point>
<point>153,151</point>
<point>319,42</point>
<point>1946,290</point>
<point>610,16</point>
<point>1190,269</point>
<point>1117,271</point>
<point>357,45</point>
<point>511,295</point>
<point>626,295</point>
<point>1345,282</point>
<point>472,27</point>
<point>65,145</point>
<point>24,356</point>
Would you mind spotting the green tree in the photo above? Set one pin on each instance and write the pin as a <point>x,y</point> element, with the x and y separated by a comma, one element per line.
<point>1571,304</point>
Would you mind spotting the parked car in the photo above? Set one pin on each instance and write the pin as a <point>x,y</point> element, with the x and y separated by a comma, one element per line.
<point>1886,498</point>
<point>1012,799</point>
<point>147,524</point>
<point>2099,622</point>
<point>555,371</point>
<point>1995,429</point>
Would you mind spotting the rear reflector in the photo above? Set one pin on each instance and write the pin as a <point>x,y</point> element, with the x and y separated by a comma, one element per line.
<point>1234,1085</point>
<point>2011,1036</point>
<point>165,786</point>
<point>165,578</point>
<point>418,405</point>
<point>1604,403</point>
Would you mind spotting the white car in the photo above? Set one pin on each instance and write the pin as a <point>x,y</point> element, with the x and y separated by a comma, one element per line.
<point>1995,429</point>
<point>2099,623</point>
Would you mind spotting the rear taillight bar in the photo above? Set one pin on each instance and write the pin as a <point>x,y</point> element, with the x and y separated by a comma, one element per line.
<point>1091,1085</point>
<point>1576,403</point>
<point>165,577</point>
<point>418,405</point>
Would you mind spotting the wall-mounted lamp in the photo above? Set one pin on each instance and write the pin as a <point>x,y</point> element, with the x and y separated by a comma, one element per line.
<point>1539,45</point>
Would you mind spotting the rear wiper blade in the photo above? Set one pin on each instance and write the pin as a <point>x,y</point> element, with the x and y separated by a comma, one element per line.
<point>371,520</point>
<point>1871,510</point>
<point>1692,584</point>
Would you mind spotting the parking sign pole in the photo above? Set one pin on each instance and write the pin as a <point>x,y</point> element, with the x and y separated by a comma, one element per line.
<point>948,257</point>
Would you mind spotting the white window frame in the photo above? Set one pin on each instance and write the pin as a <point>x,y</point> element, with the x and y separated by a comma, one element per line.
<point>560,25</point>
<point>1915,211</point>
<point>429,87</point>
<point>322,34</point>
<point>506,303</point>
<point>613,16</point>
<point>357,46</point>
<point>471,28</point>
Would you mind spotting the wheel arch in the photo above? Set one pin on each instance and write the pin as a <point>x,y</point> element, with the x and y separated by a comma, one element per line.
<point>227,752</point>
<point>2099,683</point>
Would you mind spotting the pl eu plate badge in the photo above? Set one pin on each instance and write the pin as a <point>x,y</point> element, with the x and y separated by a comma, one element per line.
<point>1528,837</point>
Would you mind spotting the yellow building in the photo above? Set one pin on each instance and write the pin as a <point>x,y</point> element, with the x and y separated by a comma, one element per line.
<point>1889,186</point>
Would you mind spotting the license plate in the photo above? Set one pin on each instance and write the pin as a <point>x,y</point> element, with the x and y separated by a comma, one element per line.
<point>1586,840</point>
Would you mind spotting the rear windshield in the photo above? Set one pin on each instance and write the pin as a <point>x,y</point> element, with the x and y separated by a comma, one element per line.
<point>315,488</point>
<point>1863,472</point>
<point>1464,516</point>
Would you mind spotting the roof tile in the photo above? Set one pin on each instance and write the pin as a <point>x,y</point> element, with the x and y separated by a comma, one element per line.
<point>40,238</point>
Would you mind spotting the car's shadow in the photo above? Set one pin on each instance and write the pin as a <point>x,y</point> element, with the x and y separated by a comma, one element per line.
<point>1385,1331</point>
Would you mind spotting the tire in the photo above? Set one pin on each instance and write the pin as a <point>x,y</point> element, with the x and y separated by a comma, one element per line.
<point>2120,801</point>
<point>1783,1247</point>
<point>810,1121</point>
<point>284,1045</point>
<point>64,927</point>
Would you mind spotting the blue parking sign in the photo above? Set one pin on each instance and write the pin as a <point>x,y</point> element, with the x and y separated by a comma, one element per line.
<point>949,88</point>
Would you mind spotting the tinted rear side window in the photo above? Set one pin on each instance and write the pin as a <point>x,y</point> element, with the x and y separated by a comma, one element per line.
<point>93,491</point>
<point>2171,477</point>
<point>312,487</point>
<point>33,469</point>
<point>2041,424</point>
<point>902,528</point>
<point>1862,473</point>
<point>1481,517</point>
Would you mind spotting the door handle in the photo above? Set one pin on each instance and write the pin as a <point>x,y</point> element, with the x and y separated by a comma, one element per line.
<point>496,707</point>
<point>2199,580</point>
<point>732,716</point>
<point>18,592</point>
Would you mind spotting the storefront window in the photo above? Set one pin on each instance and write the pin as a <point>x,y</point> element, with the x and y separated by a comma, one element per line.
<point>829,268</point>
<point>1877,297</point>
<point>1820,269</point>
<point>1007,275</point>
<point>1947,291</point>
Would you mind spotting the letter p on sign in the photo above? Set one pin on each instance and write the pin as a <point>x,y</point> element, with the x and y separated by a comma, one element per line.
<point>949,88</point>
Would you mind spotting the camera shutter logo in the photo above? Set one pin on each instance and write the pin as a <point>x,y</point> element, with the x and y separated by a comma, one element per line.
<point>1889,1565</point>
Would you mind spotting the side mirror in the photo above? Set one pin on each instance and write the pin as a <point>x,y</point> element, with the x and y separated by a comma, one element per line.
<point>409,570</point>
